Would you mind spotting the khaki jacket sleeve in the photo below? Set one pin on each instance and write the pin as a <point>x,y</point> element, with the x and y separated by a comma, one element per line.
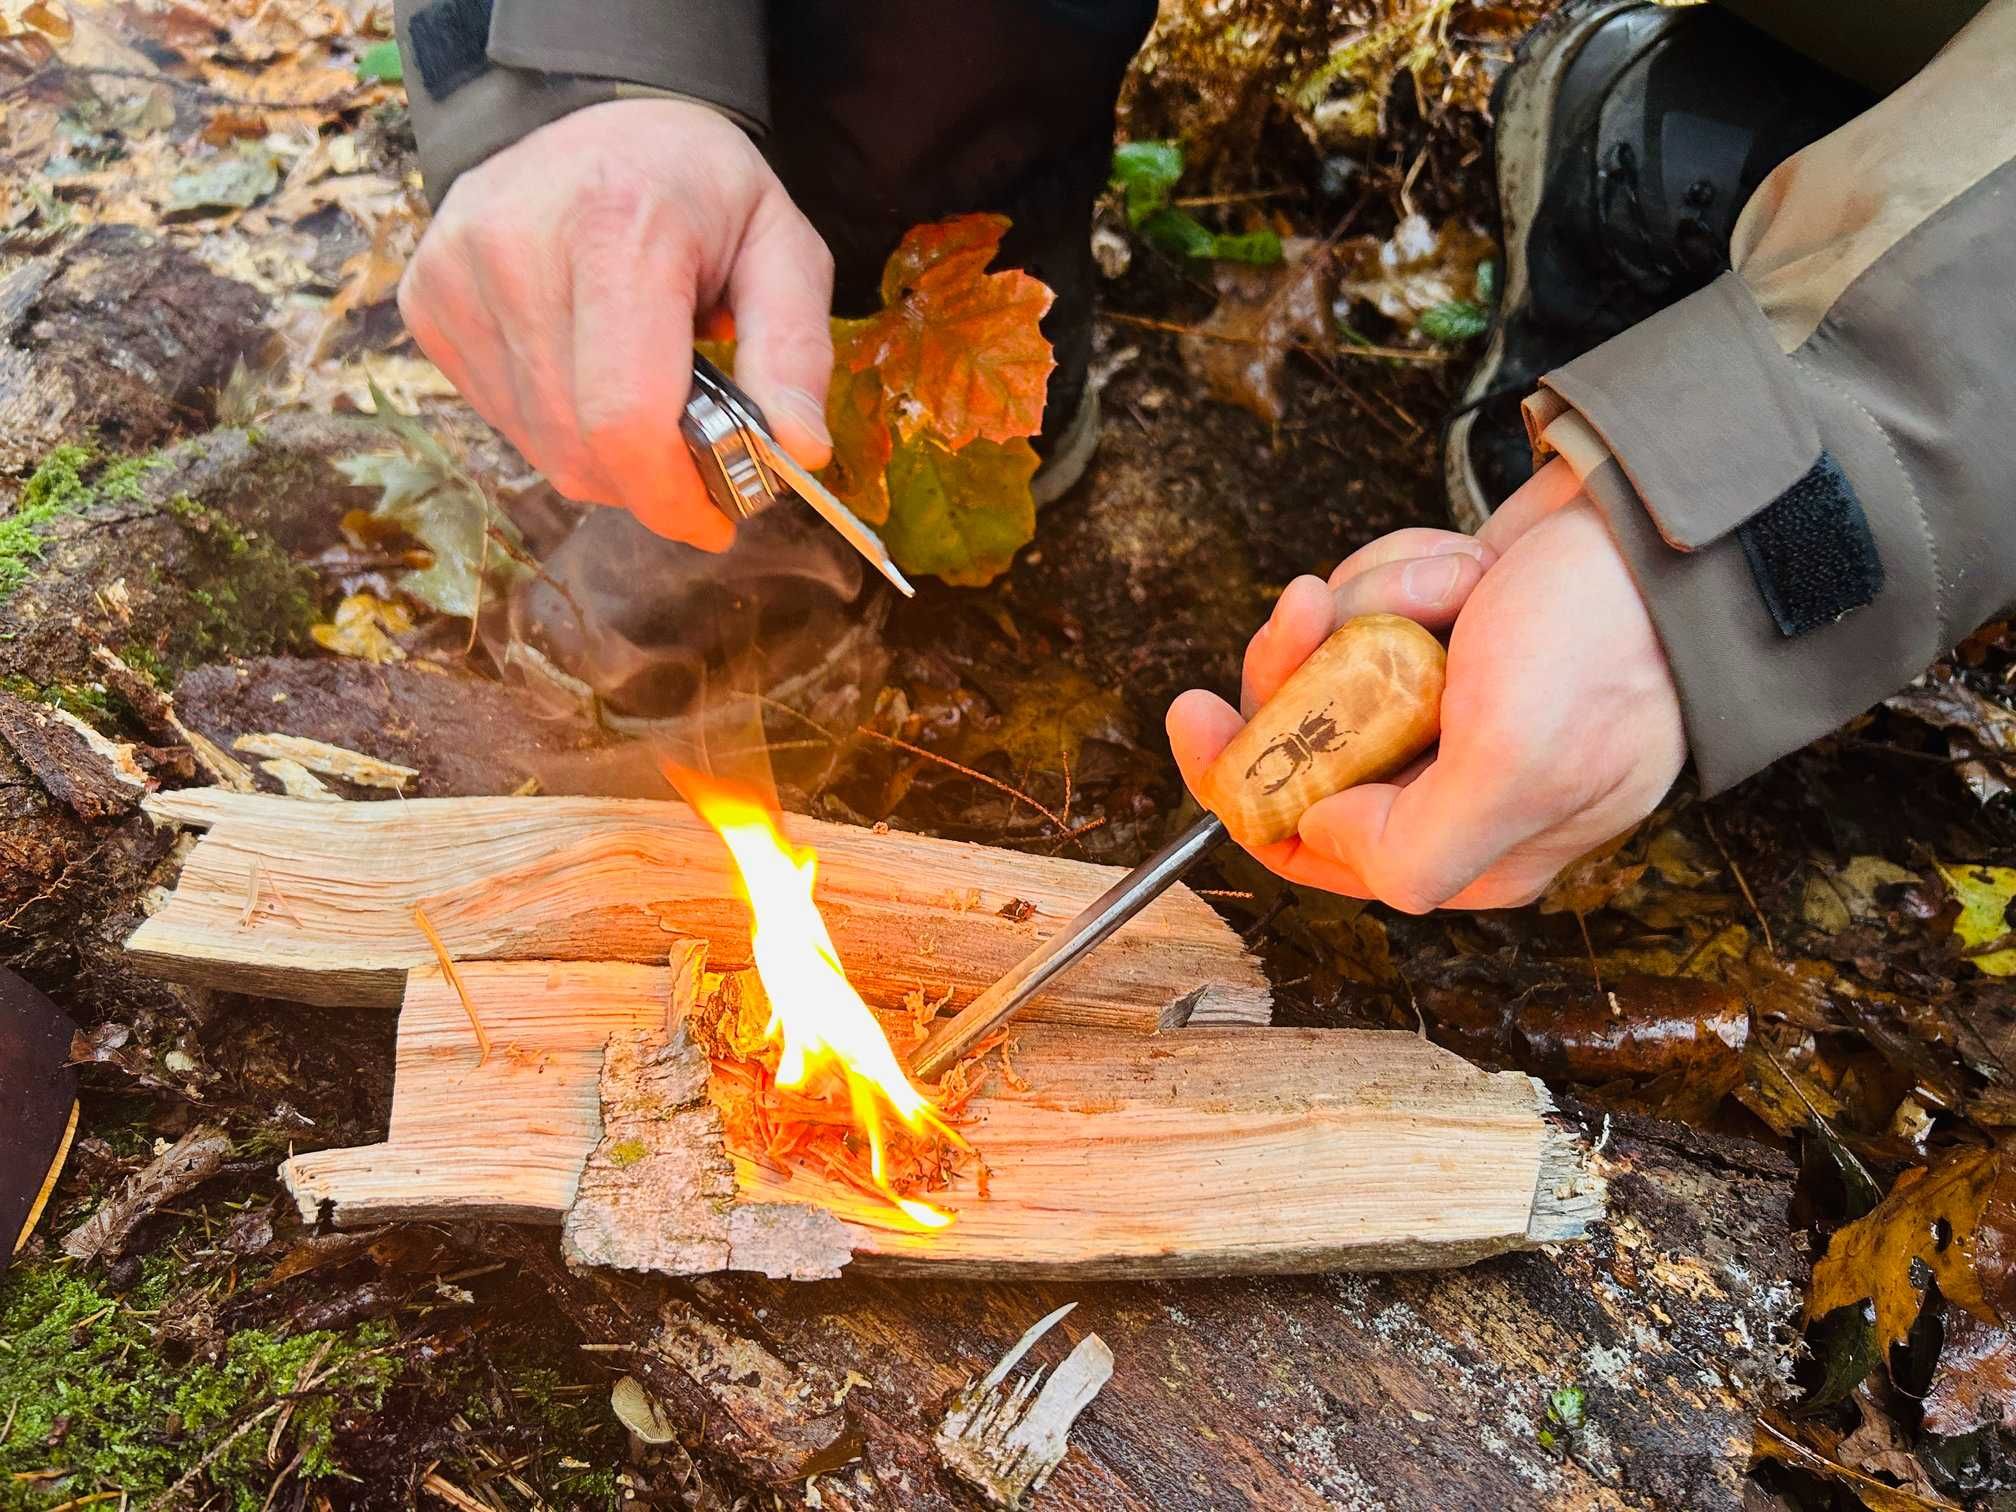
<point>1810,465</point>
<point>480,74</point>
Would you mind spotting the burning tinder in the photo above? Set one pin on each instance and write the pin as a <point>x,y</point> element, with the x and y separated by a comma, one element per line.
<point>818,1025</point>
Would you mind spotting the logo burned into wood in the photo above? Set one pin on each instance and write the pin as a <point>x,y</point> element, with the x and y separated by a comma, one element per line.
<point>1291,752</point>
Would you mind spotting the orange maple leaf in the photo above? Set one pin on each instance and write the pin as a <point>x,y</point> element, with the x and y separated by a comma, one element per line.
<point>960,343</point>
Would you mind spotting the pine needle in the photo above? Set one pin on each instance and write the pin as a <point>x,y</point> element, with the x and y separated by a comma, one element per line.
<point>454,980</point>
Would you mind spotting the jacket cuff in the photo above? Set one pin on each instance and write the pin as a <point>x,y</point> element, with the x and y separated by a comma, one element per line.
<point>482,74</point>
<point>1778,547</point>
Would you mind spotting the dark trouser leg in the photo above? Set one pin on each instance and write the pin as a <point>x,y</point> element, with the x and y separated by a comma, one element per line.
<point>905,111</point>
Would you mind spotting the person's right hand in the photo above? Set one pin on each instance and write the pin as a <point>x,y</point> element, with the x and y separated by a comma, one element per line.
<point>558,287</point>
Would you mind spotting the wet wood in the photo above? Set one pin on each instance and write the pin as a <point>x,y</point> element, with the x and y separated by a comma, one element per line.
<point>585,879</point>
<point>1195,1153</point>
<point>117,340</point>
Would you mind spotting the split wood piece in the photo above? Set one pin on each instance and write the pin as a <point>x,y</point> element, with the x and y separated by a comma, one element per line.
<point>1203,1153</point>
<point>590,879</point>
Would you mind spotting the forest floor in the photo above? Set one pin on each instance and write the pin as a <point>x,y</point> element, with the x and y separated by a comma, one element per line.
<point>1817,961</point>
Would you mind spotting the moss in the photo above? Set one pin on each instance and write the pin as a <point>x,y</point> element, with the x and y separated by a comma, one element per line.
<point>121,479</point>
<point>57,486</point>
<point>627,1152</point>
<point>97,1397</point>
<point>141,658</point>
<point>87,702</point>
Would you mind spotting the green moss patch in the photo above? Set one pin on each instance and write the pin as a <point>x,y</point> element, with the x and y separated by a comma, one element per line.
<point>95,1398</point>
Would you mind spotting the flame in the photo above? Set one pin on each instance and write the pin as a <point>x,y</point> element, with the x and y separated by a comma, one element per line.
<point>817,1018</point>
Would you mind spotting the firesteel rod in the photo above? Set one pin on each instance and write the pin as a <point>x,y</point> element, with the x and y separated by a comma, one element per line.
<point>1365,703</point>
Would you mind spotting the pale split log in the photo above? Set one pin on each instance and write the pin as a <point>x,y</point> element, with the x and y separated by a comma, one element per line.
<point>621,880</point>
<point>1208,1152</point>
<point>1006,1443</point>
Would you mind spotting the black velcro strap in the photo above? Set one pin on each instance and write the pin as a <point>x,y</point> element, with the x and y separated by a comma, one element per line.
<point>1811,552</point>
<point>451,41</point>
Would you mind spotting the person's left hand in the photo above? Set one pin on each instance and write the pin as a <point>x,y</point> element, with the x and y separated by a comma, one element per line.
<point>1560,722</point>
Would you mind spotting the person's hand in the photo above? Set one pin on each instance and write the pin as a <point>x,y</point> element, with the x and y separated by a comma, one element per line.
<point>1560,723</point>
<point>559,284</point>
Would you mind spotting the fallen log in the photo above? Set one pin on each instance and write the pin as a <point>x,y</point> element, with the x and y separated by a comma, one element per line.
<point>581,879</point>
<point>1668,1329</point>
<point>1205,1152</point>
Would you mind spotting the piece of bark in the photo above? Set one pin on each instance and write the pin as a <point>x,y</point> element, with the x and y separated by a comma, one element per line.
<point>620,880</point>
<point>188,1163</point>
<point>658,1191</point>
<point>1006,1443</point>
<point>1204,1152</point>
<point>70,765</point>
<point>117,339</point>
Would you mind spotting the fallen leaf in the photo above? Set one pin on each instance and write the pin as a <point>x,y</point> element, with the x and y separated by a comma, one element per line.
<point>961,343</point>
<point>1834,900</point>
<point>960,514</point>
<point>1954,1221</point>
<point>1240,350</point>
<point>1045,719</point>
<point>1417,269</point>
<point>1985,894</point>
<point>1777,1440</point>
<point>1595,880</point>
<point>235,181</point>
<point>363,627</point>
<point>1974,1383</point>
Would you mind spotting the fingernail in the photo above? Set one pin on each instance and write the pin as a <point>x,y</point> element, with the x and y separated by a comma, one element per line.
<point>1429,580</point>
<point>807,412</point>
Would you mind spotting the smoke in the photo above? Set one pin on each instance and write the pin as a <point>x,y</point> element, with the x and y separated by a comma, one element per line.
<point>688,652</point>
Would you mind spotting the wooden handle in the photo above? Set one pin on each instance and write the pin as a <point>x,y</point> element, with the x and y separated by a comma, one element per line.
<point>1365,703</point>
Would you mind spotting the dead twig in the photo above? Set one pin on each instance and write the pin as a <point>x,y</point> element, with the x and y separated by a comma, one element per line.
<point>454,980</point>
<point>965,771</point>
<point>1742,883</point>
<point>1177,328</point>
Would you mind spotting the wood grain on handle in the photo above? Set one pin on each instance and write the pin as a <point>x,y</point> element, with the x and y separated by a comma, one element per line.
<point>1365,703</point>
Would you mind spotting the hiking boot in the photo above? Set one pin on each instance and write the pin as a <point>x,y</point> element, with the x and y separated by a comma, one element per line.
<point>1628,137</point>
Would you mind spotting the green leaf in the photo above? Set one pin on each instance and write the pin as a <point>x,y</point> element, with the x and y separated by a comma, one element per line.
<point>961,515</point>
<point>1145,172</point>
<point>424,492</point>
<point>1453,321</point>
<point>380,64</point>
<point>1260,247</point>
<point>1566,1406</point>
<point>1844,1342</point>
<point>1984,893</point>
<point>1180,235</point>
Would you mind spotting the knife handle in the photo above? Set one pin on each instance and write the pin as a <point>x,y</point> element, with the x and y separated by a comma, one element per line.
<point>1365,703</point>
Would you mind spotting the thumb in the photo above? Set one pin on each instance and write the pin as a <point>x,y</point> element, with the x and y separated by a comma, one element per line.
<point>781,293</point>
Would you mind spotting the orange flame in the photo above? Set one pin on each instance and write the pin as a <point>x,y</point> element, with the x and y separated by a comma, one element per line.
<point>816,1017</point>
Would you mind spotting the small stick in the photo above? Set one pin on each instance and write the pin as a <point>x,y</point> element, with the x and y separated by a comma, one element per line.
<point>966,771</point>
<point>454,980</point>
<point>1737,872</point>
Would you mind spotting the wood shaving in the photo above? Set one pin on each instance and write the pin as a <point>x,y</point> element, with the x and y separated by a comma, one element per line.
<point>328,760</point>
<point>454,980</point>
<point>297,781</point>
